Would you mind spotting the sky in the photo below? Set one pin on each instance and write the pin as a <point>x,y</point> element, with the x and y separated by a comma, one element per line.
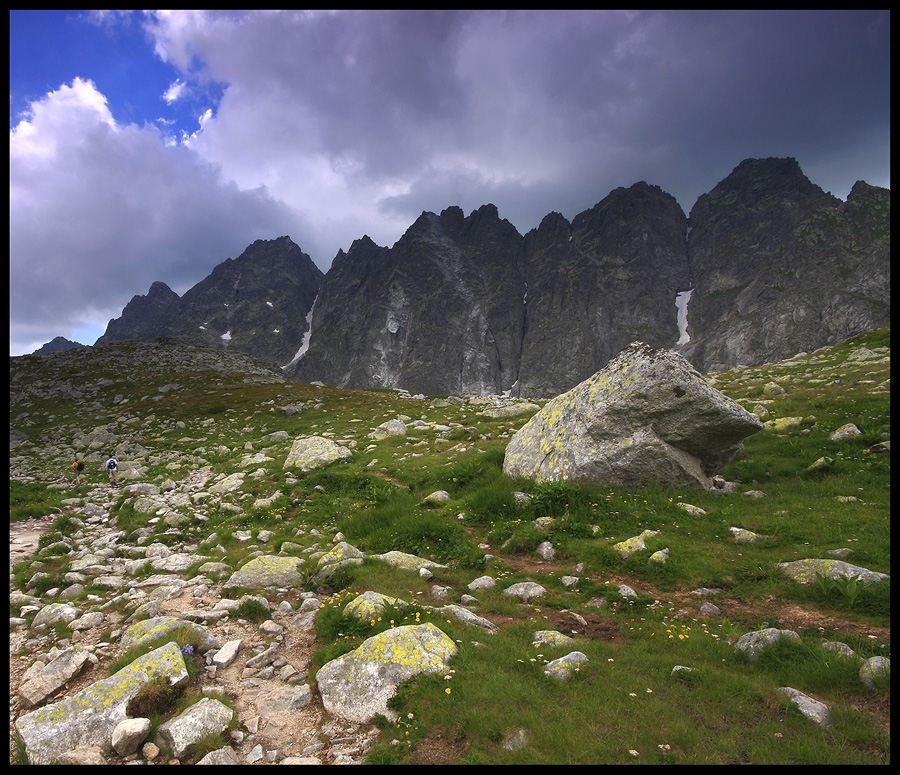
<point>153,145</point>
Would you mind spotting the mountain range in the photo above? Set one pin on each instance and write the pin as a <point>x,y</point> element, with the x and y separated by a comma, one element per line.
<point>766,265</point>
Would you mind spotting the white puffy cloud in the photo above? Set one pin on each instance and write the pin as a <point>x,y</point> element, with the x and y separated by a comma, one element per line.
<point>99,210</point>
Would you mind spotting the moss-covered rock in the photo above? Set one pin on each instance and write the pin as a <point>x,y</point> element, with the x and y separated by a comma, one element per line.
<point>370,604</point>
<point>160,626</point>
<point>311,452</point>
<point>804,571</point>
<point>358,685</point>
<point>90,716</point>
<point>267,571</point>
<point>647,416</point>
<point>753,643</point>
<point>560,668</point>
<point>407,561</point>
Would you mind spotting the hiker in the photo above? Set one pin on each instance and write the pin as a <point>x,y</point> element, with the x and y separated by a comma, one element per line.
<point>111,468</point>
<point>77,467</point>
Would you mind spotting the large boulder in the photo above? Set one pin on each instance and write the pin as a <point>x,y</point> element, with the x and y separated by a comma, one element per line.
<point>311,452</point>
<point>358,685</point>
<point>268,571</point>
<point>648,416</point>
<point>90,716</point>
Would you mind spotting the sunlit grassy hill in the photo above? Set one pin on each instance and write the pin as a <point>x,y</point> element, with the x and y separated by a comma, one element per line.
<point>170,411</point>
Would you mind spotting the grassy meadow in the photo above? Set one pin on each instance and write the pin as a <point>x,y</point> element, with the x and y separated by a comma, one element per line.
<point>625,705</point>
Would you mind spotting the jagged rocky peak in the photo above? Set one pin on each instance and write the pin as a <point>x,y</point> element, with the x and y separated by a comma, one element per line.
<point>870,207</point>
<point>483,223</point>
<point>144,317</point>
<point>58,344</point>
<point>362,254</point>
<point>256,303</point>
<point>607,279</point>
<point>632,212</point>
<point>465,304</point>
<point>453,218</point>
<point>553,230</point>
<point>771,186</point>
<point>159,290</point>
<point>782,266</point>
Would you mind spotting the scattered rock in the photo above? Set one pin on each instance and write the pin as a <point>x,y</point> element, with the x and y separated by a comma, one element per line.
<point>200,720</point>
<point>845,432</point>
<point>804,571</point>
<point>753,643</point>
<point>267,571</point>
<point>813,709</point>
<point>524,590</point>
<point>876,666</point>
<point>562,667</point>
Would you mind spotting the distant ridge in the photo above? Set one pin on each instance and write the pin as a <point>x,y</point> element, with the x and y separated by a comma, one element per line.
<point>766,265</point>
<point>57,345</point>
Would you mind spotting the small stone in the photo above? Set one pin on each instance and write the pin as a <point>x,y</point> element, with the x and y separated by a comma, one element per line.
<point>255,754</point>
<point>129,734</point>
<point>516,741</point>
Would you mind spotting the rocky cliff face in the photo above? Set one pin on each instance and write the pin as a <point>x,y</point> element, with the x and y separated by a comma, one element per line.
<point>256,303</point>
<point>439,312</point>
<point>468,305</point>
<point>608,279</point>
<point>779,266</point>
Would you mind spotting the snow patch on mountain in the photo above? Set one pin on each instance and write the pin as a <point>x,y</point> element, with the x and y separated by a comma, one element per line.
<point>681,303</point>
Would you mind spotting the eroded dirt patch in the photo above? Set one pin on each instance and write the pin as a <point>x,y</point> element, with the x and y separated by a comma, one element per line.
<point>439,748</point>
<point>586,625</point>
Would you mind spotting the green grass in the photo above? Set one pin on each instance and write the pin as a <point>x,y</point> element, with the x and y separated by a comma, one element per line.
<point>727,711</point>
<point>28,500</point>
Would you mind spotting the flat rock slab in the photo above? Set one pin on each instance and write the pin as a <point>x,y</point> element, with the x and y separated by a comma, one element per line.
<point>804,571</point>
<point>467,617</point>
<point>524,590</point>
<point>552,638</point>
<point>161,626</point>
<point>407,561</point>
<point>43,680</point>
<point>813,709</point>
<point>267,571</point>
<point>89,717</point>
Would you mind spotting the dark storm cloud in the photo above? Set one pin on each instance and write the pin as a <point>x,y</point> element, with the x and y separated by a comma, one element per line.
<point>336,124</point>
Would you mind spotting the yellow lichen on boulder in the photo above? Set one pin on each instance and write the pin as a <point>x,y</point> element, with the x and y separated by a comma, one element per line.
<point>94,712</point>
<point>648,416</point>
<point>311,452</point>
<point>358,685</point>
